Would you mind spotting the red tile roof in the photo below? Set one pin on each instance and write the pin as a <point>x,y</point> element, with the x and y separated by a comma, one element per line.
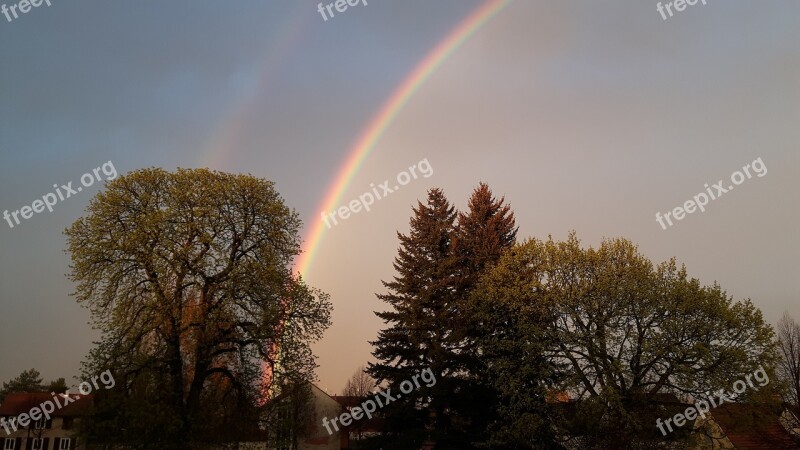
<point>22,402</point>
<point>752,427</point>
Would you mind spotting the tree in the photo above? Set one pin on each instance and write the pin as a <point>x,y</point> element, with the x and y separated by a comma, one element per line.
<point>291,414</point>
<point>624,332</point>
<point>28,381</point>
<point>188,277</point>
<point>788,331</point>
<point>359,385</point>
<point>438,266</point>
<point>422,300</point>
<point>58,386</point>
<point>483,233</point>
<point>513,339</point>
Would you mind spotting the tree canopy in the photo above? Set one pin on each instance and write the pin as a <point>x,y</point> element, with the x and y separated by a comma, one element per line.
<point>188,277</point>
<point>28,381</point>
<point>31,381</point>
<point>614,332</point>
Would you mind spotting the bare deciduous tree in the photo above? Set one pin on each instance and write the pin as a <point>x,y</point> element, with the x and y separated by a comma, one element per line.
<point>788,331</point>
<point>360,384</point>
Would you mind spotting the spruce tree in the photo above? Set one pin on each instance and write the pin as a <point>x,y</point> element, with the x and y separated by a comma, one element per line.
<point>422,301</point>
<point>483,234</point>
<point>431,325</point>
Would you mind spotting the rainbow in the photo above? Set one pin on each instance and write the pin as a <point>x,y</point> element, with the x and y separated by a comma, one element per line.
<point>388,112</point>
<point>225,138</point>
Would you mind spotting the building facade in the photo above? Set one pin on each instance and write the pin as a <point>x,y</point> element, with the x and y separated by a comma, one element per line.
<point>24,425</point>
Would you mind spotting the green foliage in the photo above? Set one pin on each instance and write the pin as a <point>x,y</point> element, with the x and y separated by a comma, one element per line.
<point>618,333</point>
<point>512,318</point>
<point>58,386</point>
<point>483,233</point>
<point>31,381</point>
<point>28,381</point>
<point>188,277</point>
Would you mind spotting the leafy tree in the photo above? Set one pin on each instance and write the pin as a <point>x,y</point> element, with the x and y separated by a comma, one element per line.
<point>28,381</point>
<point>514,337</point>
<point>627,332</point>
<point>188,277</point>
<point>789,363</point>
<point>58,386</point>
<point>422,300</point>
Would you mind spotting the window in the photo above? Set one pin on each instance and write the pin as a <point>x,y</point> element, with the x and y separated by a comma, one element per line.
<point>40,425</point>
<point>64,445</point>
<point>66,423</point>
<point>37,444</point>
<point>10,444</point>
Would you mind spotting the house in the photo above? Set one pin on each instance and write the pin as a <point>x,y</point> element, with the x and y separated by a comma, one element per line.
<point>55,433</point>
<point>791,420</point>
<point>744,426</point>
<point>739,426</point>
<point>360,429</point>
<point>314,434</point>
<point>308,432</point>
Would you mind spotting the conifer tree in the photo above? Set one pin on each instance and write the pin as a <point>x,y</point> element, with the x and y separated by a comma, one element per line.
<point>27,381</point>
<point>438,265</point>
<point>421,297</point>
<point>483,234</point>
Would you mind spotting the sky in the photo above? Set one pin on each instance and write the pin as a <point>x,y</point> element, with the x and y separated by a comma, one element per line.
<point>586,116</point>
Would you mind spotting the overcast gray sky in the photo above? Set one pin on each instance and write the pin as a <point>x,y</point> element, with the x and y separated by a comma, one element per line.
<point>586,115</point>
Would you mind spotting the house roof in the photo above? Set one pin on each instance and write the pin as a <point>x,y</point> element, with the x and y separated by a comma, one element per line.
<point>577,417</point>
<point>22,402</point>
<point>374,424</point>
<point>753,427</point>
<point>312,385</point>
<point>348,400</point>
